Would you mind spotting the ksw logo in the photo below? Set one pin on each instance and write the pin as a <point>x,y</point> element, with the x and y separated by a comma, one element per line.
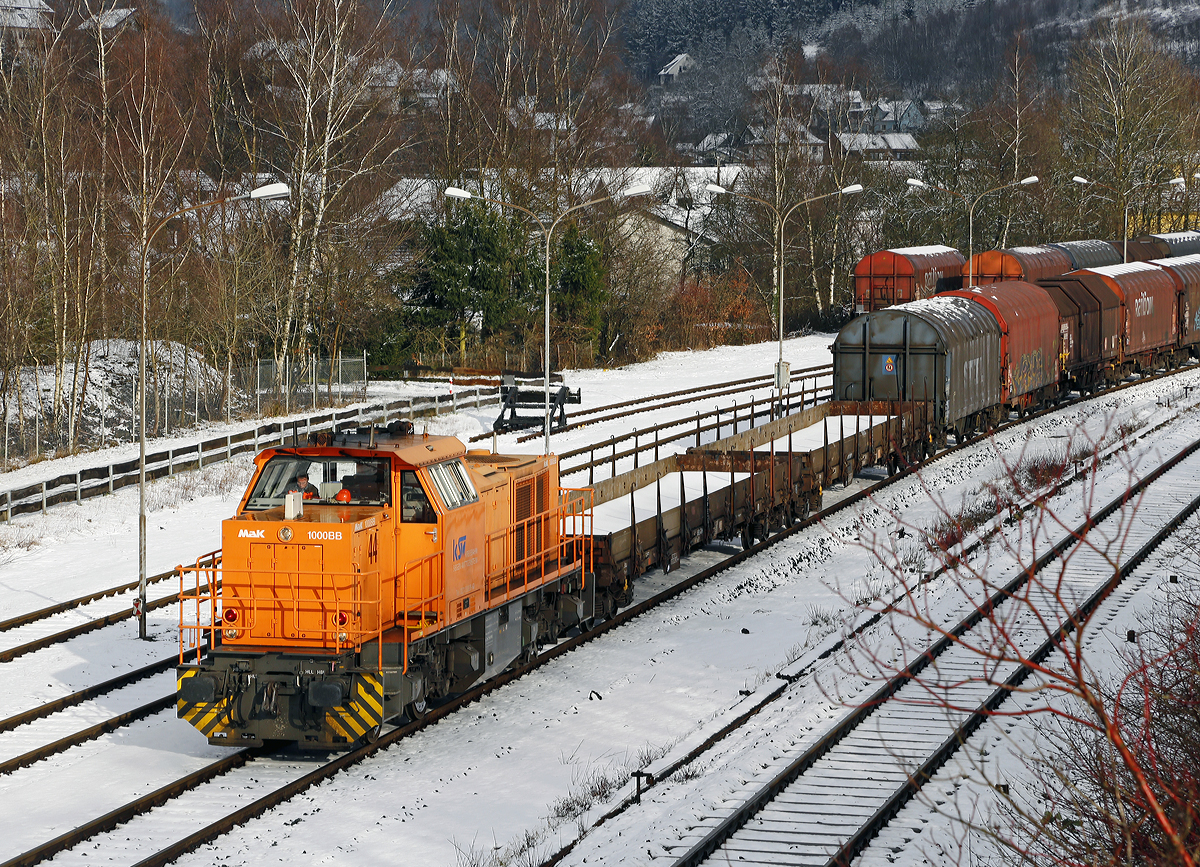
<point>251,534</point>
<point>460,547</point>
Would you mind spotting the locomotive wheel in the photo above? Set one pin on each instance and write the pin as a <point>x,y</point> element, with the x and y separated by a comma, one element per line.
<point>372,734</point>
<point>414,710</point>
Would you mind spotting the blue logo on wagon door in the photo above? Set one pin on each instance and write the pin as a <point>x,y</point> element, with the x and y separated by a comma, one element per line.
<point>889,364</point>
<point>460,547</point>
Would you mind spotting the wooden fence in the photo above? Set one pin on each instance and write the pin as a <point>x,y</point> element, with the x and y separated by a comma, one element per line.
<point>95,481</point>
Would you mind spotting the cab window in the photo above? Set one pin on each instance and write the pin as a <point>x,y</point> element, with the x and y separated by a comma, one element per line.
<point>453,484</point>
<point>415,507</point>
<point>365,481</point>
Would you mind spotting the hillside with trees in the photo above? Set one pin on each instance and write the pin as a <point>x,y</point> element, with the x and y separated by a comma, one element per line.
<point>111,120</point>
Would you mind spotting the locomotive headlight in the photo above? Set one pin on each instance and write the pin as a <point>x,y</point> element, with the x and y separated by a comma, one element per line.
<point>285,534</point>
<point>232,633</point>
<point>231,615</point>
<point>342,618</point>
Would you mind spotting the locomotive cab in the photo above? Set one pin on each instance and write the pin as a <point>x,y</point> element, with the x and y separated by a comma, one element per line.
<point>364,574</point>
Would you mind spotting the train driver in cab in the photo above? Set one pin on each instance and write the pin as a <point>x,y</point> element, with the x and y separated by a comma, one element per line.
<point>302,485</point>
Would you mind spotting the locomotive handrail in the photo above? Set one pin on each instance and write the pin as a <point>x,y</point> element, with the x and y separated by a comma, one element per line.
<point>210,563</point>
<point>327,606</point>
<point>574,505</point>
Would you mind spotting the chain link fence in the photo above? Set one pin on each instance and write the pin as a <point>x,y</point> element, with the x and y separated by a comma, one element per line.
<point>303,383</point>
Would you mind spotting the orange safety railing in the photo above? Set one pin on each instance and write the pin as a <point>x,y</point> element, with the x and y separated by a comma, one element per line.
<point>335,619</point>
<point>204,596</point>
<point>559,536</point>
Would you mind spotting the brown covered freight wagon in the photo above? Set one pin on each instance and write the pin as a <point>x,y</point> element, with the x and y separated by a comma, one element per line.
<point>1017,263</point>
<point>889,277</point>
<point>1151,327</point>
<point>1029,339</point>
<point>1186,271</point>
<point>1090,319</point>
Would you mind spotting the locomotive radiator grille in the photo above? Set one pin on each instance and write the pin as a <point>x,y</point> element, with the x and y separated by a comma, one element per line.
<point>362,713</point>
<point>206,716</point>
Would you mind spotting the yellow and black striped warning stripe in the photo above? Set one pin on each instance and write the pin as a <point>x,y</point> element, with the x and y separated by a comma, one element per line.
<point>209,717</point>
<point>363,712</point>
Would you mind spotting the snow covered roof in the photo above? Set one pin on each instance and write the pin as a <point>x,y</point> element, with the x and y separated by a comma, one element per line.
<point>1190,259</point>
<point>1125,268</point>
<point>680,63</point>
<point>713,140</point>
<point>25,14</point>
<point>107,19</point>
<point>926,250</point>
<point>899,141</point>
<point>1176,236</point>
<point>826,96</point>
<point>864,142</point>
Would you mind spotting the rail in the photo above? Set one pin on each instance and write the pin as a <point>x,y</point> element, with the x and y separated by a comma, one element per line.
<point>261,805</point>
<point>96,481</point>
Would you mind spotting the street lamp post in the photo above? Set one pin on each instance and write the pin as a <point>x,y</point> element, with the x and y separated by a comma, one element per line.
<point>1178,182</point>
<point>628,192</point>
<point>781,378</point>
<point>270,191</point>
<point>913,182</point>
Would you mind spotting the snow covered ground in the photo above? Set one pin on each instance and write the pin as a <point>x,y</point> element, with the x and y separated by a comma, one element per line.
<point>528,768</point>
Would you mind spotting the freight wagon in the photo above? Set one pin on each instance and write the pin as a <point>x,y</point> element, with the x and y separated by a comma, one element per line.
<point>905,274</point>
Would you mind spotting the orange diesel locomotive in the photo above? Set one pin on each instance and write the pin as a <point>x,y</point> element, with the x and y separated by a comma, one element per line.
<point>404,570</point>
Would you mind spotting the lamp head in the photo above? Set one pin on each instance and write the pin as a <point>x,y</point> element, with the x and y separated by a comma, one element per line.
<point>853,188</point>
<point>271,191</point>
<point>913,182</point>
<point>714,188</point>
<point>635,190</point>
<point>1032,179</point>
<point>1177,182</point>
<point>1080,180</point>
<point>456,193</point>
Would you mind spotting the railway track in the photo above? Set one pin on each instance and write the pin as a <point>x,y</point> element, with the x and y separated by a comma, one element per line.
<point>829,802</point>
<point>650,403</point>
<point>50,636</point>
<point>302,782</point>
<point>823,803</point>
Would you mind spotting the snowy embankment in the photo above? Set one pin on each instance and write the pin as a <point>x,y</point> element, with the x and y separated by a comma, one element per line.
<point>532,764</point>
